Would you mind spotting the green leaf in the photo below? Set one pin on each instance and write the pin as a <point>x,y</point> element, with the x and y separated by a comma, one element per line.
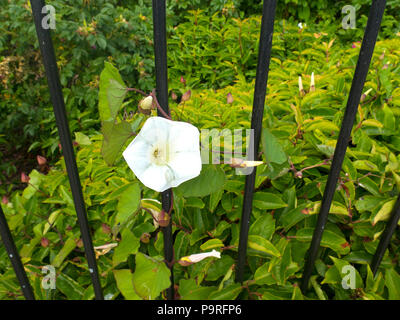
<point>211,244</point>
<point>210,180</point>
<point>297,295</point>
<point>267,200</point>
<point>262,245</point>
<point>69,245</point>
<point>151,276</point>
<point>128,203</point>
<point>115,136</point>
<point>228,293</point>
<point>272,149</point>
<point>329,239</point>
<point>128,245</point>
<point>111,92</point>
<point>189,290</point>
<point>264,226</point>
<point>35,179</point>
<point>82,139</point>
<point>342,273</point>
<point>263,275</point>
<point>124,279</point>
<point>392,282</point>
<point>385,211</point>
<point>66,195</point>
<point>68,286</point>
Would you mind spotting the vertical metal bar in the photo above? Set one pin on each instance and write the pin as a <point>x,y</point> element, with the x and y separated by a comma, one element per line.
<point>160,54</point>
<point>264,55</point>
<point>386,236</point>
<point>14,257</point>
<point>49,61</point>
<point>360,74</point>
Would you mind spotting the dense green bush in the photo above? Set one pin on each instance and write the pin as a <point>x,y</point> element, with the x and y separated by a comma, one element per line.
<point>289,187</point>
<point>91,32</point>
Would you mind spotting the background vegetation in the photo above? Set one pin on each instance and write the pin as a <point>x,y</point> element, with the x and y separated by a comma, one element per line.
<point>212,50</point>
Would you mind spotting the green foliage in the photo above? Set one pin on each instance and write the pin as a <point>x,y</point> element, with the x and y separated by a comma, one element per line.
<point>216,53</point>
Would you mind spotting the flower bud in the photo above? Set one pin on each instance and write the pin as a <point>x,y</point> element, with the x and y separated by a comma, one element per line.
<point>174,96</point>
<point>146,103</point>
<point>186,96</point>
<point>312,84</point>
<point>145,237</point>
<point>193,258</point>
<point>365,94</point>
<point>4,200</point>
<point>105,228</point>
<point>183,80</point>
<point>44,242</point>
<point>163,219</point>
<point>229,98</point>
<point>301,89</point>
<point>24,178</point>
<point>240,163</point>
<point>41,160</point>
<point>79,243</point>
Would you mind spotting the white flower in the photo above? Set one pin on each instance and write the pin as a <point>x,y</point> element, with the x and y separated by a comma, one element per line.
<point>193,258</point>
<point>164,154</point>
<point>301,26</point>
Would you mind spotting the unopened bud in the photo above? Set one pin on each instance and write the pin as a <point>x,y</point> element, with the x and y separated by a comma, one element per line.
<point>41,160</point>
<point>163,219</point>
<point>183,80</point>
<point>145,237</point>
<point>229,98</point>
<point>301,89</point>
<point>312,84</point>
<point>146,103</point>
<point>24,178</point>
<point>365,94</point>
<point>382,56</point>
<point>174,96</point>
<point>79,243</point>
<point>4,200</point>
<point>105,228</point>
<point>44,242</point>
<point>298,174</point>
<point>240,163</point>
<point>186,96</point>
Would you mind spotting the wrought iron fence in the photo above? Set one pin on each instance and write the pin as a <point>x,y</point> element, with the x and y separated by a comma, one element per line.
<point>160,51</point>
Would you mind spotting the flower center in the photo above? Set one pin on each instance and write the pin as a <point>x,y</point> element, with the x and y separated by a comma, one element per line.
<point>159,156</point>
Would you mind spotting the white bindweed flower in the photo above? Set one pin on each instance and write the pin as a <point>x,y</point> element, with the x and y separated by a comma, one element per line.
<point>165,153</point>
<point>193,258</point>
<point>301,26</point>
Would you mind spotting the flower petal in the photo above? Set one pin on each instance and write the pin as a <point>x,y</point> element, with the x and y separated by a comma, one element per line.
<point>157,177</point>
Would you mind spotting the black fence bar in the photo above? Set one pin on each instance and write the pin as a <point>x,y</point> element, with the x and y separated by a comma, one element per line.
<point>360,74</point>
<point>386,236</point>
<point>15,258</point>
<point>49,61</point>
<point>160,55</point>
<point>264,55</point>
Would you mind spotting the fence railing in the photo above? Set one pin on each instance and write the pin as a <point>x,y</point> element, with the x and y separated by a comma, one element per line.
<point>160,51</point>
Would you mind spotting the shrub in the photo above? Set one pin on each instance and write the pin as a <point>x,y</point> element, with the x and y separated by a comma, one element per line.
<point>289,187</point>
